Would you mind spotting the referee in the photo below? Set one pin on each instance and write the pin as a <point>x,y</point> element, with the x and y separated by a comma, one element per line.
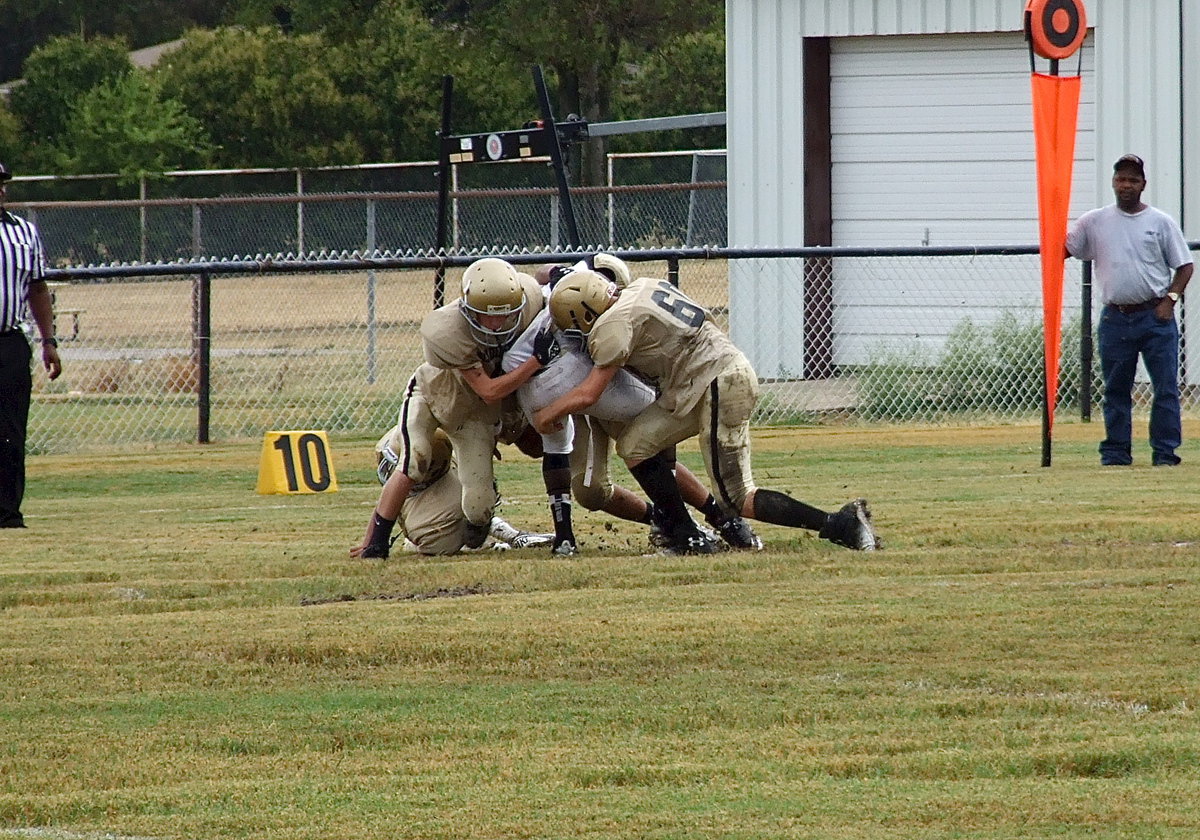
<point>23,291</point>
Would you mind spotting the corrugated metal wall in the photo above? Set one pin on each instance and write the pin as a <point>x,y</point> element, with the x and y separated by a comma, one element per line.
<point>904,17</point>
<point>1141,65</point>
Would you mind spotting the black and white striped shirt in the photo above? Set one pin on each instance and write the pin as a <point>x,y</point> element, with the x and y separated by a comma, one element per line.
<point>22,261</point>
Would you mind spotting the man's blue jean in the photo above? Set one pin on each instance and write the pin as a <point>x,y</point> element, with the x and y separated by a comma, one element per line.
<point>1122,339</point>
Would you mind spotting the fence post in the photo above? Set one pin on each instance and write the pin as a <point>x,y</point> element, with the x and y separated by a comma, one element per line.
<point>673,271</point>
<point>299,214</point>
<point>143,236</point>
<point>1085,345</point>
<point>554,222</point>
<point>372,327</point>
<point>197,240</point>
<point>201,352</point>
<point>612,230</point>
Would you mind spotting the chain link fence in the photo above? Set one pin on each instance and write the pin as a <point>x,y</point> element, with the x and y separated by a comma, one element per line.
<point>226,350</point>
<point>651,201</point>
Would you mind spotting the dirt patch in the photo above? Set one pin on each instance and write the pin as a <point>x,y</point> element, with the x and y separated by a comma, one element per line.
<point>442,592</point>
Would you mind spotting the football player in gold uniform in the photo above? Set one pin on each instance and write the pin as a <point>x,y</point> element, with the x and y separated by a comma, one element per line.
<point>582,447</point>
<point>461,390</point>
<point>431,516</point>
<point>706,387</point>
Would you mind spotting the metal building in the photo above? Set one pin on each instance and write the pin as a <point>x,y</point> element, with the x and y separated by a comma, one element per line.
<point>908,122</point>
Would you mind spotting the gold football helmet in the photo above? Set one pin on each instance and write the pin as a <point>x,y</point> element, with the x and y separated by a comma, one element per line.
<point>614,268</point>
<point>492,301</point>
<point>579,299</point>
<point>387,456</point>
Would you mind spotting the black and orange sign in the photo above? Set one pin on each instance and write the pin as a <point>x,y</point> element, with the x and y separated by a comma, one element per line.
<point>1056,28</point>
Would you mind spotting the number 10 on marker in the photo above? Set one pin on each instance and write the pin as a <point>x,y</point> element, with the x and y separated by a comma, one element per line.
<point>296,462</point>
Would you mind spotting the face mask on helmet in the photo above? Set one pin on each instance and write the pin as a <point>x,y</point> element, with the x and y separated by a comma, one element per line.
<point>579,299</point>
<point>492,301</point>
<point>387,456</point>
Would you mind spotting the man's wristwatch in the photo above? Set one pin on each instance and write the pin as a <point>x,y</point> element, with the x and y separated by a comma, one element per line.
<point>1174,296</point>
<point>53,342</point>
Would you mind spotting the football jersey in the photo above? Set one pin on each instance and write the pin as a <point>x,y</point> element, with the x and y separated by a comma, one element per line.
<point>664,336</point>
<point>450,346</point>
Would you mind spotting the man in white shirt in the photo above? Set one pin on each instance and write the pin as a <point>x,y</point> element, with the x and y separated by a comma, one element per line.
<point>1142,265</point>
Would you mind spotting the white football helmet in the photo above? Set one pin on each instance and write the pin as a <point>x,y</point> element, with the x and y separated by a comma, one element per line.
<point>490,288</point>
<point>579,299</point>
<point>614,268</point>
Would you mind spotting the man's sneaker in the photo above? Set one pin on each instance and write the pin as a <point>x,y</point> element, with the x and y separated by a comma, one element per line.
<point>851,527</point>
<point>736,533</point>
<point>565,548</point>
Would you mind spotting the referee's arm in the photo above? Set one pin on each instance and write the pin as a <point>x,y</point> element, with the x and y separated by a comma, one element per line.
<point>41,306</point>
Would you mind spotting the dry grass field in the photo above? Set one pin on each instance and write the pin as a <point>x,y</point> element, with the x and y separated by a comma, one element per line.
<point>181,657</point>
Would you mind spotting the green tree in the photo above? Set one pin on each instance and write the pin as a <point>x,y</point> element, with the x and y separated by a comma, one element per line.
<point>56,75</point>
<point>126,126</point>
<point>264,98</point>
<point>586,45</point>
<point>686,75</point>
<point>27,24</point>
<point>394,73</point>
<point>10,135</point>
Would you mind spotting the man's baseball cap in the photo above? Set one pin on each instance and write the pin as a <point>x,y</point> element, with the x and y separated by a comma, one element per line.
<point>5,174</point>
<point>1130,162</point>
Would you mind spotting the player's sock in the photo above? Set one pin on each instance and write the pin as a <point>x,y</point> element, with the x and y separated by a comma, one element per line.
<point>648,516</point>
<point>656,478</point>
<point>556,473</point>
<point>712,511</point>
<point>560,512</point>
<point>781,509</point>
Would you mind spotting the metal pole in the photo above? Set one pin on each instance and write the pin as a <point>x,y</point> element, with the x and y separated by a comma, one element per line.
<point>299,214</point>
<point>372,326</point>
<point>197,242</point>
<point>142,217</point>
<point>1045,420</point>
<point>201,353</point>
<point>556,156</point>
<point>443,181</point>
<point>1086,348</point>
<point>612,231</point>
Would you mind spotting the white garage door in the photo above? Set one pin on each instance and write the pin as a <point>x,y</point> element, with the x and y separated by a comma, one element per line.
<point>932,142</point>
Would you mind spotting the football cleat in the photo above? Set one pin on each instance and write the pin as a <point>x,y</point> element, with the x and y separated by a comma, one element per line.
<point>475,535</point>
<point>526,539</point>
<point>695,543</point>
<point>851,527</point>
<point>564,548</point>
<point>736,533</point>
<point>689,538</point>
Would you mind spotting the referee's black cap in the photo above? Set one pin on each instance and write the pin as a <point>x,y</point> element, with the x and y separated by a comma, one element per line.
<point>5,173</point>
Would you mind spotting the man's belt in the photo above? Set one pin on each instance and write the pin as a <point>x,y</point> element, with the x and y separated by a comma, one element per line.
<point>1130,308</point>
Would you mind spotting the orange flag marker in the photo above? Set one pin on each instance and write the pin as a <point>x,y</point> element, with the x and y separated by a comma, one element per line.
<point>1055,113</point>
<point>1055,29</point>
